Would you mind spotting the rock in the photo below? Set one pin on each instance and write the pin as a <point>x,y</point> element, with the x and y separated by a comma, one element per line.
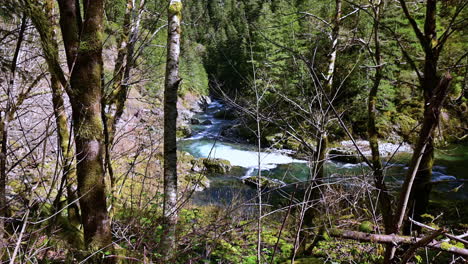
<point>204,102</point>
<point>386,149</point>
<point>183,132</point>
<point>228,114</point>
<point>198,180</point>
<point>197,165</point>
<point>230,131</point>
<point>343,155</point>
<point>207,122</point>
<point>184,115</point>
<point>216,165</point>
<point>292,144</point>
<point>274,139</point>
<point>264,182</point>
<point>194,121</point>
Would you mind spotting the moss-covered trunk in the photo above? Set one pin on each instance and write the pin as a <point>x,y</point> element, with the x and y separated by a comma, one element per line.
<point>421,190</point>
<point>48,39</point>
<point>171,86</point>
<point>68,169</point>
<point>89,141</point>
<point>83,45</point>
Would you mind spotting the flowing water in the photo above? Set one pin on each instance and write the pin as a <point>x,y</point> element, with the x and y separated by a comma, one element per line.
<point>206,141</point>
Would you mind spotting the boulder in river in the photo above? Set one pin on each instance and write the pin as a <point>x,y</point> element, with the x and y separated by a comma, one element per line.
<point>264,182</point>
<point>194,121</point>
<point>207,122</point>
<point>343,155</point>
<point>274,139</point>
<point>216,165</point>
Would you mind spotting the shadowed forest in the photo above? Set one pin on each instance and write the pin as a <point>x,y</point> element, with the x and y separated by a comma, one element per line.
<point>234,131</point>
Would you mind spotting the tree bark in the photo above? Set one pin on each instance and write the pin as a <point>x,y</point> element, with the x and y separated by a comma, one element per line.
<point>83,45</point>
<point>48,39</point>
<point>420,192</point>
<point>171,86</point>
<point>322,138</point>
<point>4,121</point>
<point>113,103</point>
<point>384,197</point>
<point>410,189</point>
<point>322,145</point>
<point>419,199</point>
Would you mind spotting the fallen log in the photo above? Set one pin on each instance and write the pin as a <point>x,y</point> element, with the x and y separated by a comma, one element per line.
<point>396,240</point>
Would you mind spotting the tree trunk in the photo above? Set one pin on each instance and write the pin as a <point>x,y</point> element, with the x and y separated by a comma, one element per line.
<point>322,139</point>
<point>3,178</point>
<point>421,190</point>
<point>84,59</point>
<point>321,156</point>
<point>172,82</point>
<point>384,197</point>
<point>410,190</point>
<point>114,102</point>
<point>4,121</point>
<point>48,39</point>
<point>68,168</point>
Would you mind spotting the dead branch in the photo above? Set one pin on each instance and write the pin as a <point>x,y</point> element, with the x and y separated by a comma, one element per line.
<point>396,240</point>
<point>421,243</point>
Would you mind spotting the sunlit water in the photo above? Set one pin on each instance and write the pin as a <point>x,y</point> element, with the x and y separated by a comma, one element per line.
<point>207,141</point>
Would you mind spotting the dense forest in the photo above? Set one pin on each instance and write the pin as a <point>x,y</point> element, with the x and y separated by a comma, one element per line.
<point>234,131</point>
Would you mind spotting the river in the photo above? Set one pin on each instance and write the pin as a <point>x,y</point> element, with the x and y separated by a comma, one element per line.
<point>206,141</point>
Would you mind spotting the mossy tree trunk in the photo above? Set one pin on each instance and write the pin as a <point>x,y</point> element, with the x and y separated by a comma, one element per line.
<point>172,81</point>
<point>113,101</point>
<point>384,196</point>
<point>429,80</point>
<point>83,46</point>
<point>409,190</point>
<point>45,24</point>
<point>422,188</point>
<point>416,190</point>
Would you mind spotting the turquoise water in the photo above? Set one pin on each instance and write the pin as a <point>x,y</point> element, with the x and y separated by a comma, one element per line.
<point>451,163</point>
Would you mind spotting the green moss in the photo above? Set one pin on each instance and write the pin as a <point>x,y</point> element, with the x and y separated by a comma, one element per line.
<point>406,126</point>
<point>445,245</point>
<point>183,132</point>
<point>366,226</point>
<point>459,245</point>
<point>197,179</point>
<point>217,165</point>
<point>91,43</point>
<point>175,8</point>
<point>91,128</point>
